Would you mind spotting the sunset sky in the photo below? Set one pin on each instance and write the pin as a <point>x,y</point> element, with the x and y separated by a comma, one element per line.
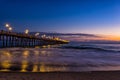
<point>64,16</point>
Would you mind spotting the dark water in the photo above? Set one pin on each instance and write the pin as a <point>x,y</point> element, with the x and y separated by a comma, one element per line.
<point>72,57</point>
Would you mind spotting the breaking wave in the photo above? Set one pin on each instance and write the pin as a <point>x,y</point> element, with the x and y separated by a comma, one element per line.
<point>88,48</point>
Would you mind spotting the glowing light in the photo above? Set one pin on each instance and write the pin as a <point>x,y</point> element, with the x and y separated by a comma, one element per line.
<point>7,25</point>
<point>7,54</point>
<point>25,54</point>
<point>24,66</point>
<point>37,34</point>
<point>42,68</point>
<point>44,35</point>
<point>37,46</point>
<point>26,31</point>
<point>6,64</point>
<point>44,46</point>
<point>35,68</point>
<point>10,28</point>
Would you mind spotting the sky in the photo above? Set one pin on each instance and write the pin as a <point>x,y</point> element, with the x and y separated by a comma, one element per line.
<point>63,16</point>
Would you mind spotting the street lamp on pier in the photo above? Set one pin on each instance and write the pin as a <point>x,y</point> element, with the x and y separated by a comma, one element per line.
<point>9,28</point>
<point>7,25</point>
<point>26,31</point>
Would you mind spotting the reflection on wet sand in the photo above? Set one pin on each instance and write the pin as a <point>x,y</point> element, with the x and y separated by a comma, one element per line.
<point>5,65</point>
<point>25,54</point>
<point>35,68</point>
<point>46,68</point>
<point>25,64</point>
<point>35,65</point>
<point>5,60</point>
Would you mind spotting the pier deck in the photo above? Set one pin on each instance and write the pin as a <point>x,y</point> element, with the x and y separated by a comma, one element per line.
<point>13,39</point>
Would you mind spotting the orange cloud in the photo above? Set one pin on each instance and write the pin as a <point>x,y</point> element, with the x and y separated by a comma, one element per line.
<point>111,37</point>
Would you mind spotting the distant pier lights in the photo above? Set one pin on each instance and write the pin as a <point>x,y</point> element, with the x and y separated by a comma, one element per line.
<point>37,34</point>
<point>43,36</point>
<point>14,39</point>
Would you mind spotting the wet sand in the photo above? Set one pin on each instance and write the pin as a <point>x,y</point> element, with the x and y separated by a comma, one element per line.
<point>100,75</point>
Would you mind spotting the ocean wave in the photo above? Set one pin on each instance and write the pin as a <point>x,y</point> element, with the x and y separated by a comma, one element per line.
<point>88,48</point>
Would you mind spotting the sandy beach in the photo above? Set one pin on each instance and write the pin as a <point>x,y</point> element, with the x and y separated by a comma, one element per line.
<point>100,75</point>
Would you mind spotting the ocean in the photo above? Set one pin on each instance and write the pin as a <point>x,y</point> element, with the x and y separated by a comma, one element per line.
<point>73,57</point>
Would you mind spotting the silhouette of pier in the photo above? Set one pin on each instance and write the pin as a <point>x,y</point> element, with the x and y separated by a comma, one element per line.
<point>14,39</point>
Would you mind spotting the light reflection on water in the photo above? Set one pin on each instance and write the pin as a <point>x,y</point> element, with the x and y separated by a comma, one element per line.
<point>24,65</point>
<point>6,63</point>
<point>57,59</point>
<point>25,60</point>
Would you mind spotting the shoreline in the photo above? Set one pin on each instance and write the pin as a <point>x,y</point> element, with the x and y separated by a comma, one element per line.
<point>93,75</point>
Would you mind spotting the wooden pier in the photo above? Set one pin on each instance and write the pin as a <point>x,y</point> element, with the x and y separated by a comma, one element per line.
<point>13,39</point>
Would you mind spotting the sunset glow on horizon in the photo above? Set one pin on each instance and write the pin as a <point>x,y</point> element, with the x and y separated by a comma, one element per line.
<point>100,17</point>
